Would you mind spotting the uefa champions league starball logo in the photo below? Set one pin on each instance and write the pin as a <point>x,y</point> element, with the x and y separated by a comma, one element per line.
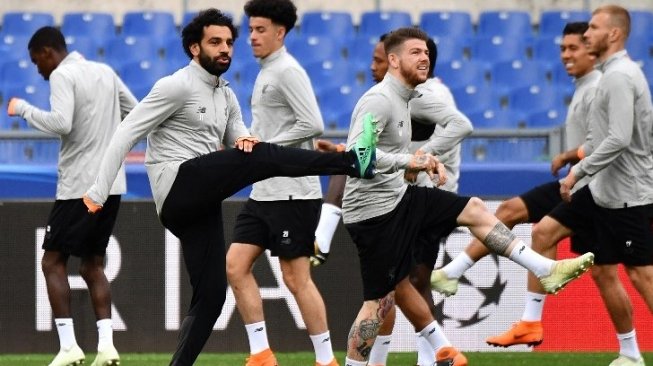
<point>481,287</point>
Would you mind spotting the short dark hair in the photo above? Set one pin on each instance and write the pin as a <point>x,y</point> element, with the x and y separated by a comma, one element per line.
<point>433,55</point>
<point>193,32</point>
<point>619,17</point>
<point>397,37</point>
<point>578,28</point>
<point>47,37</point>
<point>281,12</point>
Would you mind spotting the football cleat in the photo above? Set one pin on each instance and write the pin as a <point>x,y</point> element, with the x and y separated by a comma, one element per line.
<point>108,356</point>
<point>522,332</point>
<point>333,362</point>
<point>365,149</point>
<point>565,271</point>
<point>450,356</point>
<point>73,356</point>
<point>263,358</point>
<point>443,284</point>
<point>627,361</point>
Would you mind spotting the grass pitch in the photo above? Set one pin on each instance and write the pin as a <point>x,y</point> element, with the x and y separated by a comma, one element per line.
<point>307,359</point>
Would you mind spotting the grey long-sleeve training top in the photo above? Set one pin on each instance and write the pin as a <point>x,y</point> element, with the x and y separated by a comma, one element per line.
<point>621,122</point>
<point>285,112</point>
<point>185,115</point>
<point>88,101</point>
<point>435,105</point>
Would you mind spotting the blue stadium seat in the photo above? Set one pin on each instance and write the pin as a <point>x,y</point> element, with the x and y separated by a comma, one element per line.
<point>25,23</point>
<point>328,73</point>
<point>18,72</point>
<point>155,24</point>
<point>144,72</point>
<point>648,72</point>
<point>462,73</point>
<point>498,118</point>
<point>517,150</point>
<point>546,118</point>
<point>248,73</point>
<point>547,49</point>
<point>174,50</point>
<point>472,99</point>
<point>560,77</point>
<point>641,23</point>
<point>361,48</point>
<point>496,49</point>
<point>312,49</point>
<point>14,46</point>
<point>452,48</point>
<point>505,23</point>
<point>447,23</point>
<point>359,74</point>
<point>376,23</point>
<point>640,49</point>
<point>337,104</point>
<point>99,26</point>
<point>552,22</point>
<point>84,45</point>
<point>507,75</point>
<point>37,93</point>
<point>242,50</point>
<point>122,50</point>
<point>327,24</point>
<point>535,97</point>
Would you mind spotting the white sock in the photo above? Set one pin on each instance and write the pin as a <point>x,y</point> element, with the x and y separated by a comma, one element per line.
<point>425,352</point>
<point>105,333</point>
<point>66,332</point>
<point>258,337</point>
<point>380,350</point>
<point>526,257</point>
<point>322,346</point>
<point>461,263</point>
<point>434,335</point>
<point>628,345</point>
<point>534,304</point>
<point>349,362</point>
<point>326,227</point>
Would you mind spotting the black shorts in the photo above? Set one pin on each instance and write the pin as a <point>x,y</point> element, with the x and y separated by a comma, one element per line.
<point>427,247</point>
<point>72,230</point>
<point>286,228</point>
<point>386,244</point>
<point>541,200</point>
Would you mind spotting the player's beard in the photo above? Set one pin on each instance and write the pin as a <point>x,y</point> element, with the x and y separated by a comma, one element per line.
<point>599,48</point>
<point>211,65</point>
<point>411,75</point>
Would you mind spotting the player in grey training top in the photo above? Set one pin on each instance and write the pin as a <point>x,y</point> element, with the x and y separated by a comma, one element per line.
<point>281,213</point>
<point>87,101</point>
<point>188,117</point>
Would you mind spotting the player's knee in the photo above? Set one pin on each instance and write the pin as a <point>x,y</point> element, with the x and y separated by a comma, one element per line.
<point>509,213</point>
<point>604,276</point>
<point>475,209</point>
<point>640,276</point>
<point>295,283</point>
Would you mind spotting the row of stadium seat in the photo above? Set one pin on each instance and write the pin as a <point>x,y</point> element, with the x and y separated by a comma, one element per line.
<point>333,24</point>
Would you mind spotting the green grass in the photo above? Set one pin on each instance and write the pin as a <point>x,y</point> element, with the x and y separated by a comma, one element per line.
<point>306,359</point>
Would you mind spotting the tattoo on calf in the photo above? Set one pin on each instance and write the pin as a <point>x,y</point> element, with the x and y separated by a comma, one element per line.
<point>361,336</point>
<point>499,238</point>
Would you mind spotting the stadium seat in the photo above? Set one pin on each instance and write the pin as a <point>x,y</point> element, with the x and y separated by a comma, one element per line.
<point>14,46</point>
<point>359,74</point>
<point>498,118</point>
<point>517,150</point>
<point>98,26</point>
<point>122,50</point>
<point>497,48</point>
<point>475,98</point>
<point>447,23</point>
<point>640,49</point>
<point>312,49</point>
<point>560,77</point>
<point>452,48</point>
<point>36,92</point>
<point>473,150</point>
<point>155,24</point>
<point>648,72</point>
<point>459,73</point>
<point>505,24</point>
<point>508,75</point>
<point>546,118</point>
<point>328,73</point>
<point>547,49</point>
<point>18,72</point>
<point>361,48</point>
<point>84,45</point>
<point>25,23</point>
<point>534,97</point>
<point>376,23</point>
<point>552,22</point>
<point>337,104</point>
<point>327,24</point>
<point>242,50</point>
<point>641,23</point>
<point>248,73</point>
<point>145,73</point>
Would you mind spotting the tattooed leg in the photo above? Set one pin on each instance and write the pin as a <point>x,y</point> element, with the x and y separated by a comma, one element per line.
<point>366,327</point>
<point>499,239</point>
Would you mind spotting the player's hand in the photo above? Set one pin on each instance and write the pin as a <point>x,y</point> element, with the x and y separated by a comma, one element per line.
<point>318,257</point>
<point>328,146</point>
<point>566,186</point>
<point>411,176</point>
<point>92,206</point>
<point>557,163</point>
<point>442,175</point>
<point>11,106</point>
<point>246,143</point>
